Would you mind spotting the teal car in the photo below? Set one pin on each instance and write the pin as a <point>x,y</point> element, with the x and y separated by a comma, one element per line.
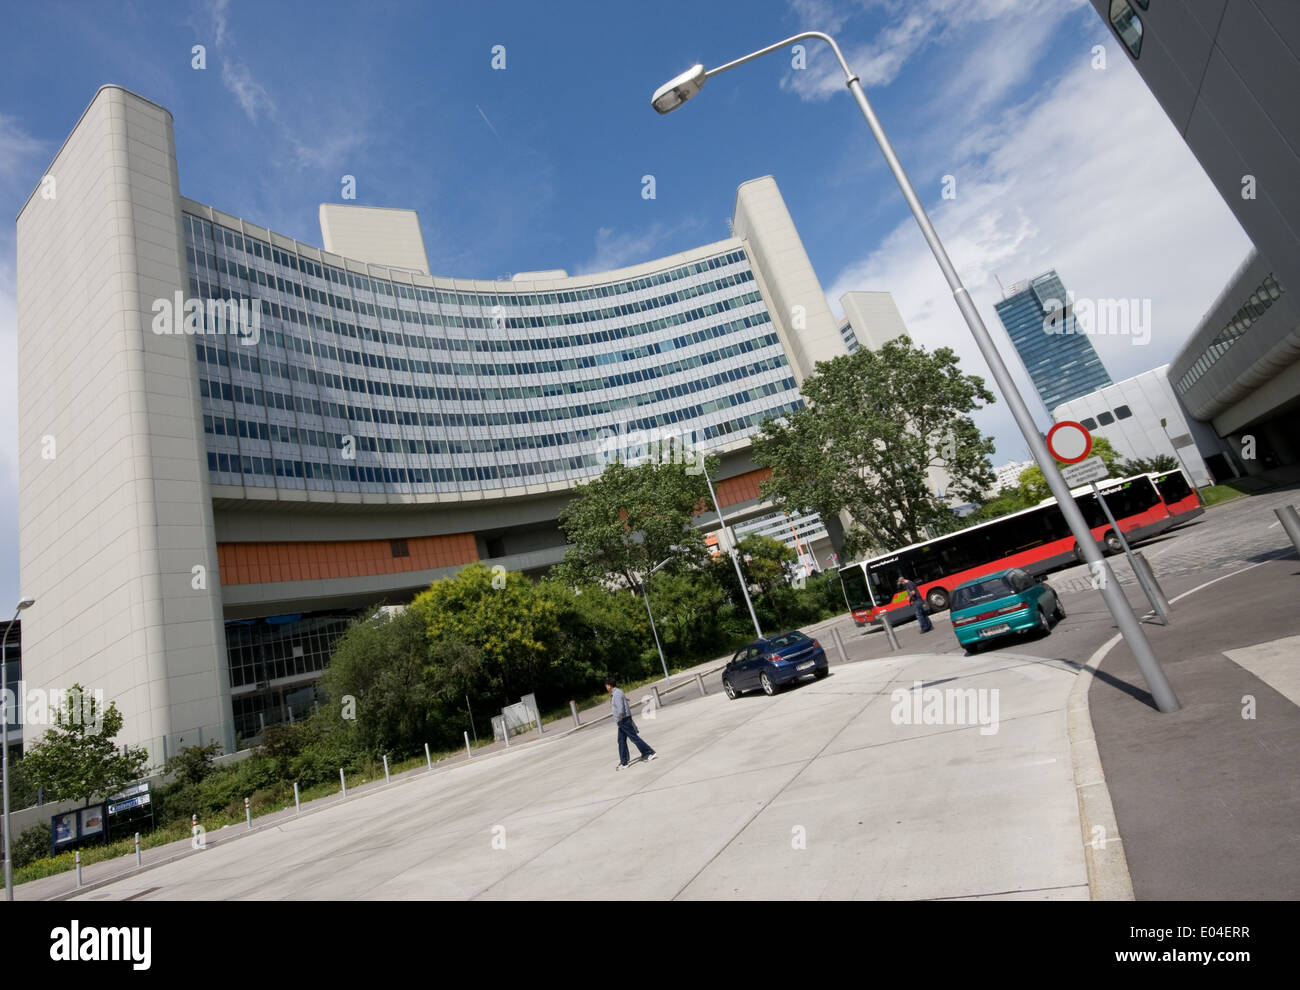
<point>1003,603</point>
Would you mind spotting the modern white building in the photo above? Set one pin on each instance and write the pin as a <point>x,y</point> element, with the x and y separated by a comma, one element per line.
<point>202,513</point>
<point>1008,475</point>
<point>870,319</point>
<point>1142,418</point>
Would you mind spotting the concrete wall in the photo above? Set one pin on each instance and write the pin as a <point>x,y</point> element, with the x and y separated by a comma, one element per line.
<point>796,301</point>
<point>374,234</point>
<point>114,509</point>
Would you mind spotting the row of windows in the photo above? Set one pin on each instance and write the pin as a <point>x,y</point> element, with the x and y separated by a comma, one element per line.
<point>1127,24</point>
<point>254,430</point>
<point>250,362</point>
<point>314,438</point>
<point>232,464</point>
<point>259,652</point>
<point>496,321</point>
<point>1259,303</point>
<point>197,228</point>
<point>1106,418</point>
<point>214,389</point>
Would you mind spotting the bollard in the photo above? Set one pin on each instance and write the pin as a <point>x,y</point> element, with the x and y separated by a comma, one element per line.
<point>343,782</point>
<point>78,859</point>
<point>427,758</point>
<point>194,820</point>
<point>537,714</point>
<point>505,730</point>
<point>699,680</point>
<point>889,630</point>
<point>248,813</point>
<point>839,645</point>
<point>573,707</point>
<point>137,849</point>
<point>658,701</point>
<point>1286,514</point>
<point>469,755</point>
<point>1161,601</point>
<point>297,801</point>
<point>386,779</point>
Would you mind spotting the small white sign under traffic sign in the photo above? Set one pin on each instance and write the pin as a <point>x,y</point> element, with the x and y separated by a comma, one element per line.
<point>1093,469</point>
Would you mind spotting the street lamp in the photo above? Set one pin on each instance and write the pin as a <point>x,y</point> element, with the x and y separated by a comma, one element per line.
<point>4,739</point>
<point>722,523</point>
<point>673,94</point>
<point>646,596</point>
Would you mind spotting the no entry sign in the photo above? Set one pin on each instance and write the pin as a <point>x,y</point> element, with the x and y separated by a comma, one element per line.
<point>1069,442</point>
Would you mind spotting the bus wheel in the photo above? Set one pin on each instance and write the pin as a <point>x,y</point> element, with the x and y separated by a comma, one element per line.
<point>1112,542</point>
<point>937,599</point>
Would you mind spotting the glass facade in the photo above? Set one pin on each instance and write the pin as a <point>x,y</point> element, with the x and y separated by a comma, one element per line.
<point>1259,303</point>
<point>1061,361</point>
<point>850,338</point>
<point>362,384</point>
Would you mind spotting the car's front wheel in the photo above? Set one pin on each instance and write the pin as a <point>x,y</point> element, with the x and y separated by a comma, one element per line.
<point>732,693</point>
<point>768,687</point>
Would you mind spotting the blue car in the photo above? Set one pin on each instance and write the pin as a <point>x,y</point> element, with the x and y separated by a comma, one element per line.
<point>1001,604</point>
<point>774,662</point>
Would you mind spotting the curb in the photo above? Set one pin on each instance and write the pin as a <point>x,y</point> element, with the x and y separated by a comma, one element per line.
<point>1103,852</point>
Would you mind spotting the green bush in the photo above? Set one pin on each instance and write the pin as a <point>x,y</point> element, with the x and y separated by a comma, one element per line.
<point>31,845</point>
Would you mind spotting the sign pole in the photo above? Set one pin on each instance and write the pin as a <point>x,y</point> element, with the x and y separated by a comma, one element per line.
<point>1128,552</point>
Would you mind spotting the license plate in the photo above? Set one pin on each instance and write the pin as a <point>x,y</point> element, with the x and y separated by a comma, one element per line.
<point>807,666</point>
<point>994,631</point>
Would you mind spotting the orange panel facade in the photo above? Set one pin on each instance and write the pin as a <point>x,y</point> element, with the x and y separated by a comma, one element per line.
<point>742,488</point>
<point>265,563</point>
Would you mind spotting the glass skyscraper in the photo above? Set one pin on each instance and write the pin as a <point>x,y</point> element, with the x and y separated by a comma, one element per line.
<point>1061,361</point>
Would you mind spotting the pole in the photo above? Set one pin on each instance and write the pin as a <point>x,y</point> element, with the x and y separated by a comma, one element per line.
<point>297,799</point>
<point>1128,552</point>
<point>1286,515</point>
<point>138,861</point>
<point>886,621</point>
<point>1128,625</point>
<point>469,755</point>
<point>428,760</point>
<point>386,779</point>
<point>472,726</point>
<point>4,745</point>
<point>735,559</point>
<point>658,647</point>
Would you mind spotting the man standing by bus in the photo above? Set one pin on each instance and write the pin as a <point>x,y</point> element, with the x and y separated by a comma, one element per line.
<point>917,602</point>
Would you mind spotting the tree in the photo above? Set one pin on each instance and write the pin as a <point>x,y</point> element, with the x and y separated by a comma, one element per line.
<point>875,424</point>
<point>1149,465</point>
<point>628,520</point>
<point>77,758</point>
<point>1033,486</point>
<point>382,664</point>
<point>193,763</point>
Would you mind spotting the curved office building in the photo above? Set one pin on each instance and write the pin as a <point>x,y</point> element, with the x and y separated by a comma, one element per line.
<point>231,440</point>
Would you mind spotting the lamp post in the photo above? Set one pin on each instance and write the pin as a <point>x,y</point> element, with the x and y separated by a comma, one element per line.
<point>4,739</point>
<point>677,91</point>
<point>646,596</point>
<point>735,559</point>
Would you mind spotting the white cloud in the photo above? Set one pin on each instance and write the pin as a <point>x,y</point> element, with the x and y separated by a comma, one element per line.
<point>618,250</point>
<point>251,94</point>
<point>1088,177</point>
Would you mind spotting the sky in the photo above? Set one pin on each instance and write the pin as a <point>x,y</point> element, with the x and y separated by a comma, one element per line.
<point>1030,147</point>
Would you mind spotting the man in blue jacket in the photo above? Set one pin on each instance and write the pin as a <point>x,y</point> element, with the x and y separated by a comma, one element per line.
<point>626,727</point>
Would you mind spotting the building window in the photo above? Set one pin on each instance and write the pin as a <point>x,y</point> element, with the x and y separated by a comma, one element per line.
<point>1127,25</point>
<point>1143,3</point>
<point>400,548</point>
<point>1123,412</point>
<point>1088,424</point>
<point>1105,418</point>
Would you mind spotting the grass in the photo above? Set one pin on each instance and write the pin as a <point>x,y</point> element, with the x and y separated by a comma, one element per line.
<point>1216,494</point>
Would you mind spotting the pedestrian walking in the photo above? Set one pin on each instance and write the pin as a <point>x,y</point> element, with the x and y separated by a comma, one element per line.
<point>917,602</point>
<point>626,727</point>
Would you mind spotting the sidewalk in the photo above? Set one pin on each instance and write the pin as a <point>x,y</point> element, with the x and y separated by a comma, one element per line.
<point>1208,799</point>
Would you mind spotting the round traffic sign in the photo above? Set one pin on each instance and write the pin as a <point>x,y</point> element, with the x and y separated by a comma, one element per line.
<point>1069,442</point>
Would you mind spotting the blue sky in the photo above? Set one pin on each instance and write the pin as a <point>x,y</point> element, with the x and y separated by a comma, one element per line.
<point>1057,162</point>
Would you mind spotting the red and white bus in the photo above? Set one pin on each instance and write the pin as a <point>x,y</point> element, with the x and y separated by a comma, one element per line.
<point>1180,498</point>
<point>1035,539</point>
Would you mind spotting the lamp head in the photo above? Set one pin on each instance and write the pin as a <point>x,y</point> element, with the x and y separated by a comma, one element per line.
<point>26,603</point>
<point>675,92</point>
